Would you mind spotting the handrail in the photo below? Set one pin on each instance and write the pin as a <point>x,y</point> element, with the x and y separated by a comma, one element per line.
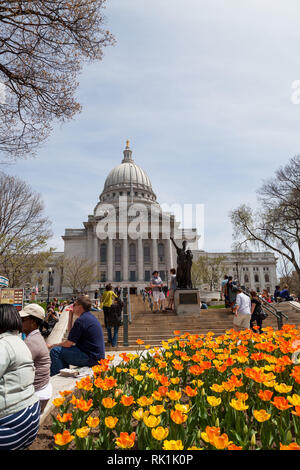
<point>270,308</point>
<point>129,307</point>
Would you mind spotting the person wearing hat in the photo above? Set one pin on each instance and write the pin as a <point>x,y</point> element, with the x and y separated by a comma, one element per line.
<point>32,317</point>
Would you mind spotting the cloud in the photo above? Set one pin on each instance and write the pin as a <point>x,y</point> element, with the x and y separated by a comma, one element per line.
<point>203,91</point>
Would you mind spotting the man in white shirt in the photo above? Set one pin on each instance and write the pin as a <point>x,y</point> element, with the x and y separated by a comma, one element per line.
<point>156,285</point>
<point>242,311</point>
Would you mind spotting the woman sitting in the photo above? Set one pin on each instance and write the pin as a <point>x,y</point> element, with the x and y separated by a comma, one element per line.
<point>19,406</point>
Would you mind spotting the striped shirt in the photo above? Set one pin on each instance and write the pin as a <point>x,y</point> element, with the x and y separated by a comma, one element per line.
<point>18,431</point>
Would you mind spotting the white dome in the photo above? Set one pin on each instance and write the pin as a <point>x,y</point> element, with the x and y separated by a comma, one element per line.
<point>128,173</point>
<point>127,179</point>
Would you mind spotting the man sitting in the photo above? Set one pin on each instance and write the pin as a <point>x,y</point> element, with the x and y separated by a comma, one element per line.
<point>85,343</point>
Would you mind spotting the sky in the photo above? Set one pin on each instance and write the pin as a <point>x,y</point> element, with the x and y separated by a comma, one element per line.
<point>203,89</point>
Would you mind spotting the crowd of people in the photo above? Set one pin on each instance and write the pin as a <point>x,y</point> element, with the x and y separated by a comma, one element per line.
<point>248,309</point>
<point>27,363</point>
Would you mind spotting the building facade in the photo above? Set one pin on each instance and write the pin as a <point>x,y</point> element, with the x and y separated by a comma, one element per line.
<point>128,237</point>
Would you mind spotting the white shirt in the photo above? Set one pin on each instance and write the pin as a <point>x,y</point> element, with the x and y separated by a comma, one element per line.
<point>244,303</point>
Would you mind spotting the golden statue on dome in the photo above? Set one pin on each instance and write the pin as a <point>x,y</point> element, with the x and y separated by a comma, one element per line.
<point>127,144</point>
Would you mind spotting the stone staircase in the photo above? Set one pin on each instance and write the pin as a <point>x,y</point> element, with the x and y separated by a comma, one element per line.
<point>153,328</point>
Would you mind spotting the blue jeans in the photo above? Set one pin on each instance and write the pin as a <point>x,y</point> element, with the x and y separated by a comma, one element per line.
<point>113,339</point>
<point>62,358</point>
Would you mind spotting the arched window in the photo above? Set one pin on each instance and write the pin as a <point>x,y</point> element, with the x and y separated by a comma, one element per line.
<point>267,278</point>
<point>103,253</point>
<point>118,253</point>
<point>256,278</point>
<point>132,253</point>
<point>146,253</point>
<point>246,278</point>
<point>161,252</point>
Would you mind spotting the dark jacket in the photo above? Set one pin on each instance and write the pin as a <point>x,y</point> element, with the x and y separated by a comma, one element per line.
<point>114,317</point>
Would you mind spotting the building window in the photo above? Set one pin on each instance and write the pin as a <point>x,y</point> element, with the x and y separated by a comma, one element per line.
<point>132,253</point>
<point>161,252</point>
<point>147,276</point>
<point>103,276</point>
<point>256,278</point>
<point>146,253</point>
<point>118,276</point>
<point>118,253</point>
<point>267,278</point>
<point>162,275</point>
<point>103,253</point>
<point>132,276</point>
<point>246,278</point>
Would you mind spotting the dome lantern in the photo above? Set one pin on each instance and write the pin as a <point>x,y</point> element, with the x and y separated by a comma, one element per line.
<point>127,153</point>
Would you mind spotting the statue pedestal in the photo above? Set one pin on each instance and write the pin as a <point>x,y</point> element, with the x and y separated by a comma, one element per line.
<point>187,301</point>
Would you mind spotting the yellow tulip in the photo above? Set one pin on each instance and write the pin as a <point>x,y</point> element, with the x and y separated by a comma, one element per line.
<point>83,432</point>
<point>173,445</point>
<point>157,409</point>
<point>214,401</point>
<point>294,399</point>
<point>238,405</point>
<point>138,414</point>
<point>160,433</point>
<point>111,421</point>
<point>283,388</point>
<point>151,421</point>
<point>261,415</point>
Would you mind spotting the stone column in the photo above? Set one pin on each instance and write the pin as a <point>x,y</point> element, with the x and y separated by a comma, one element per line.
<point>140,260</point>
<point>96,253</point>
<point>154,255</point>
<point>110,260</point>
<point>125,260</point>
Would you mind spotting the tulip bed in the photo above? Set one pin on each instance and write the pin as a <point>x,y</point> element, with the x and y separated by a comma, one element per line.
<point>233,392</point>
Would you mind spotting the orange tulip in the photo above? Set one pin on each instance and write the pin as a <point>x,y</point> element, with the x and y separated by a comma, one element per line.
<point>291,446</point>
<point>127,400</point>
<point>220,442</point>
<point>265,395</point>
<point>65,418</point>
<point>281,403</point>
<point>178,417</point>
<point>108,402</point>
<point>140,341</point>
<point>297,411</point>
<point>92,422</point>
<point>63,439</point>
<point>125,441</point>
<point>174,395</point>
<point>84,405</point>
<point>190,392</point>
<point>234,447</point>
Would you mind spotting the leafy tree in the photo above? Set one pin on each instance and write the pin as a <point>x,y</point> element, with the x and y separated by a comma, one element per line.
<point>276,223</point>
<point>44,44</point>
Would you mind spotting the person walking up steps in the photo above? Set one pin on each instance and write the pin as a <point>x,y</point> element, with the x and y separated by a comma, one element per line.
<point>107,301</point>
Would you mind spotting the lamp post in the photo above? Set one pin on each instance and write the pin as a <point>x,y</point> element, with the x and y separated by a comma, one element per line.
<point>49,281</point>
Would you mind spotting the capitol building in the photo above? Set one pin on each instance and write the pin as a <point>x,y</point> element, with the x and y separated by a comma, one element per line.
<point>139,242</point>
<point>128,237</point>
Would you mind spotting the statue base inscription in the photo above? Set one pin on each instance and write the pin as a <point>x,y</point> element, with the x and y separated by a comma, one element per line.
<point>187,301</point>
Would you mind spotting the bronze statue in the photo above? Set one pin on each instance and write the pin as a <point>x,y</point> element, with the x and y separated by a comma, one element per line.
<point>184,266</point>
